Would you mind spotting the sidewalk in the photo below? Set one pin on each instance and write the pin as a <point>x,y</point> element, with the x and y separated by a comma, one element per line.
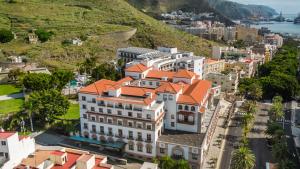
<point>215,146</point>
<point>12,96</point>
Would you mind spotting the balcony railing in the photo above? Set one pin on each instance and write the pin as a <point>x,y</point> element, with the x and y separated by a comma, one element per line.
<point>119,107</point>
<point>101,133</point>
<point>138,109</point>
<point>110,105</point>
<point>93,131</point>
<point>128,108</point>
<point>101,104</point>
<point>119,136</point>
<point>130,138</point>
<point>186,122</point>
<point>148,141</point>
<point>139,139</point>
<point>109,134</point>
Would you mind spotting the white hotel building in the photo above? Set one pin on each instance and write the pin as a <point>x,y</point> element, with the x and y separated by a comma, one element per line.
<point>151,113</point>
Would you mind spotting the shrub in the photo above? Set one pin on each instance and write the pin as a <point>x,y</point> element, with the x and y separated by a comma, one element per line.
<point>6,36</point>
<point>43,35</point>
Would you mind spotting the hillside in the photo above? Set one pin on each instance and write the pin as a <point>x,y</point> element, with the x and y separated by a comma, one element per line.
<point>224,9</point>
<point>104,22</point>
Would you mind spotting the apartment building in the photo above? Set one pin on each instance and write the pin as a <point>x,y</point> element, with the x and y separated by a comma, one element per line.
<point>13,148</point>
<point>247,34</point>
<point>213,66</point>
<point>166,59</point>
<point>246,67</point>
<point>63,158</point>
<point>228,81</point>
<point>151,113</point>
<point>273,39</point>
<point>231,53</point>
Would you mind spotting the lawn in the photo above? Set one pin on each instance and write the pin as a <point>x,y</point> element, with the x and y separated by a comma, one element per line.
<point>73,112</point>
<point>10,106</point>
<point>9,89</point>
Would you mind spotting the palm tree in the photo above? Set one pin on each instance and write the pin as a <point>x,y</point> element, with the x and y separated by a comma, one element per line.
<point>243,158</point>
<point>274,130</point>
<point>182,164</point>
<point>276,110</point>
<point>167,162</point>
<point>279,150</point>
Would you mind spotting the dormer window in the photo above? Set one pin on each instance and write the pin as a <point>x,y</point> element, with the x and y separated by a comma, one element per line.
<point>180,107</point>
<point>193,108</point>
<point>186,107</point>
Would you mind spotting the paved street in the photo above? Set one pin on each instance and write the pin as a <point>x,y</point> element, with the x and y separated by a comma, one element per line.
<point>12,96</point>
<point>257,138</point>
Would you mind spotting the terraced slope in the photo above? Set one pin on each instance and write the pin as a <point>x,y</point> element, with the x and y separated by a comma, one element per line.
<point>104,23</point>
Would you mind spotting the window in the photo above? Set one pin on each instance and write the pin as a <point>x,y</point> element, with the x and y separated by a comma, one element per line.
<point>140,148</point>
<point>120,122</point>
<point>101,119</point>
<point>149,127</point>
<point>101,129</point>
<point>162,150</point>
<point>94,128</point>
<point>120,131</point>
<point>140,136</point>
<point>109,130</point>
<point>93,118</point>
<point>150,83</point>
<point>83,98</point>
<point>165,97</point>
<point>100,110</point>
<point>93,100</point>
<point>130,124</point>
<point>131,147</point>
<point>180,107</point>
<point>149,137</point>
<point>193,108</point>
<point>149,150</point>
<point>170,97</point>
<point>191,119</point>
<point>139,125</point>
<point>109,121</point>
<point>194,156</point>
<point>130,114</point>
<point>143,82</point>
<point>157,83</point>
<point>83,106</point>
<point>130,134</point>
<point>120,113</point>
<point>148,116</point>
<point>172,116</point>
<point>139,115</point>
<point>92,108</point>
<point>84,116</point>
<point>6,155</point>
<point>109,111</point>
<point>172,124</point>
<point>1,154</point>
<point>85,126</point>
<point>186,107</point>
<point>3,143</point>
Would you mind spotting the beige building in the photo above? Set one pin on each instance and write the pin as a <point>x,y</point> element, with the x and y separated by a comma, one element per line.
<point>249,35</point>
<point>246,67</point>
<point>228,81</point>
<point>213,66</point>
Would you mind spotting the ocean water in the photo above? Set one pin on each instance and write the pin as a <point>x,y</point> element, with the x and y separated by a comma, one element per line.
<point>281,27</point>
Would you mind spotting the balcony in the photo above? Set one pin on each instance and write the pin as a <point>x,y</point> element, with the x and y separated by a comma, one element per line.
<point>128,108</point>
<point>148,141</point>
<point>101,104</point>
<point>130,138</point>
<point>110,105</point>
<point>119,136</point>
<point>101,133</point>
<point>139,139</point>
<point>138,109</point>
<point>119,107</point>
<point>93,131</point>
<point>186,122</point>
<point>109,134</point>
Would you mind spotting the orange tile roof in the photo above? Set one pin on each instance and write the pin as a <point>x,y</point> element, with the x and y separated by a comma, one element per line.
<point>157,74</point>
<point>98,87</point>
<point>135,91</point>
<point>210,61</point>
<point>6,134</point>
<point>58,153</point>
<point>137,68</point>
<point>184,74</point>
<point>195,93</point>
<point>167,87</point>
<point>126,79</point>
<point>85,157</point>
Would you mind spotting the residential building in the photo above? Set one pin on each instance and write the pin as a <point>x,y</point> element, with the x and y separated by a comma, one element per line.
<point>13,148</point>
<point>33,38</point>
<point>231,53</point>
<point>273,39</point>
<point>213,66</point>
<point>151,113</point>
<point>229,34</point>
<point>246,67</point>
<point>166,59</point>
<point>63,158</point>
<point>227,80</point>
<point>247,34</point>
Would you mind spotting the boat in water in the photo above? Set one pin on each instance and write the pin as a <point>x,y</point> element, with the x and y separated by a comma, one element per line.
<point>297,20</point>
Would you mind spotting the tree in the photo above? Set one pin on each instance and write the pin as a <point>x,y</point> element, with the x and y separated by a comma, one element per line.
<point>38,81</point>
<point>286,164</point>
<point>62,78</point>
<point>45,105</point>
<point>88,65</point>
<point>255,91</point>
<point>279,150</point>
<point>243,158</point>
<point>277,108</point>
<point>6,36</point>
<point>182,164</point>
<point>43,35</point>
<point>14,74</point>
<point>274,130</point>
<point>105,71</point>
<point>167,162</point>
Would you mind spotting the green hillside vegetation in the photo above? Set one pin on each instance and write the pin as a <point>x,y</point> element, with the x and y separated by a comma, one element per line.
<point>98,22</point>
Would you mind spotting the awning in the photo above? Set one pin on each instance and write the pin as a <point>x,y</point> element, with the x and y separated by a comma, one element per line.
<point>115,145</point>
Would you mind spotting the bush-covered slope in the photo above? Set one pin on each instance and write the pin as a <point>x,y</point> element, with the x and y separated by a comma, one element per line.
<point>101,21</point>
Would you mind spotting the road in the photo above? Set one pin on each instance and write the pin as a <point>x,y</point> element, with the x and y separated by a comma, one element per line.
<point>12,96</point>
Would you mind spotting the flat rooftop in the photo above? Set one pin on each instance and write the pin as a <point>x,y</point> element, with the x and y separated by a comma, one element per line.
<point>137,50</point>
<point>182,137</point>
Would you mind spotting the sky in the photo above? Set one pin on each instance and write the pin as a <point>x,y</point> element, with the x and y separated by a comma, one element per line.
<point>286,6</point>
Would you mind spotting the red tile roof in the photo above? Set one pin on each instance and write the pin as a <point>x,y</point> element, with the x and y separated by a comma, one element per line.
<point>6,134</point>
<point>195,93</point>
<point>157,74</point>
<point>137,68</point>
<point>167,87</point>
<point>184,74</point>
<point>58,153</point>
<point>72,157</point>
<point>98,87</point>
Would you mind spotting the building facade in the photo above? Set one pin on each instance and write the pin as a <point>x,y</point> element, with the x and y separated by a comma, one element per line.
<point>148,110</point>
<point>228,81</point>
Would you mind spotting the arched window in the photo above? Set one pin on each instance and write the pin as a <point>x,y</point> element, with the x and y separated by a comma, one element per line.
<point>180,107</point>
<point>186,107</point>
<point>193,108</point>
